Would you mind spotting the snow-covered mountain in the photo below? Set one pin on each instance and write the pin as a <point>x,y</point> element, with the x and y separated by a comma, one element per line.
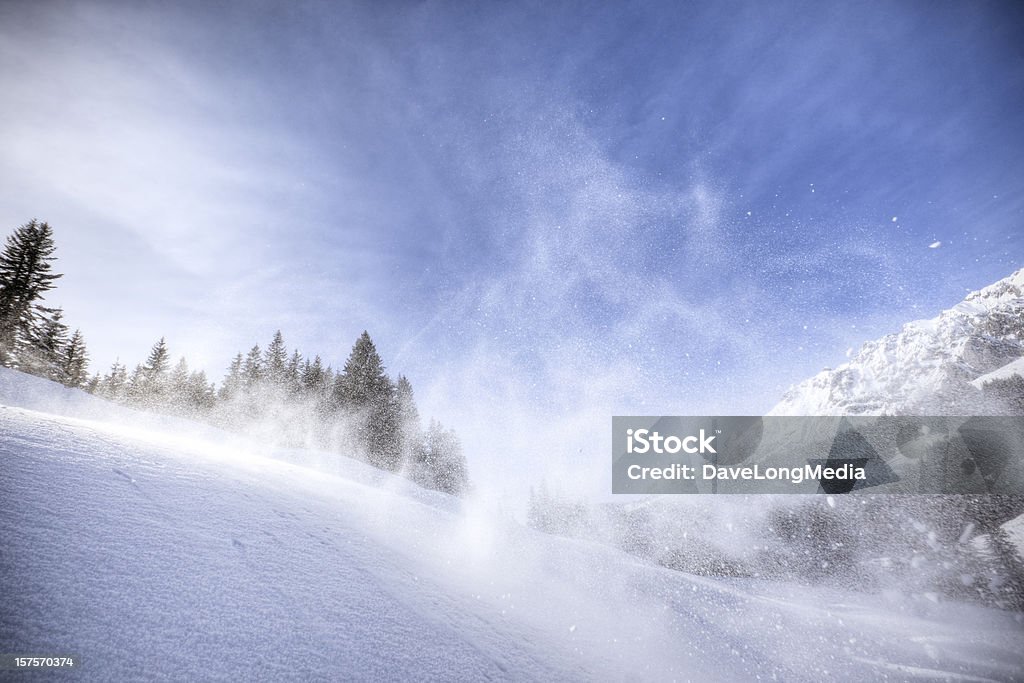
<point>935,366</point>
<point>1012,369</point>
<point>156,549</point>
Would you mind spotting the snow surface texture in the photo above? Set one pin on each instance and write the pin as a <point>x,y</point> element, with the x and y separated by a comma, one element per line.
<point>157,549</point>
<point>928,366</point>
<point>1005,372</point>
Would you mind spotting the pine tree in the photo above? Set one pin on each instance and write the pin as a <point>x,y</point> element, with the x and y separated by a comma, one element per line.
<point>159,359</point>
<point>252,368</point>
<point>25,276</point>
<point>232,383</point>
<point>153,382</point>
<point>365,392</point>
<point>114,384</point>
<point>199,394</point>
<point>42,354</point>
<point>441,464</point>
<point>178,386</point>
<point>406,402</point>
<point>275,361</point>
<point>249,405</point>
<point>74,362</point>
<point>136,389</point>
<point>363,381</point>
<point>1006,395</point>
<point>293,378</point>
<point>305,370</point>
<point>314,378</point>
<point>410,433</point>
<point>315,389</point>
<point>385,447</point>
<point>452,477</point>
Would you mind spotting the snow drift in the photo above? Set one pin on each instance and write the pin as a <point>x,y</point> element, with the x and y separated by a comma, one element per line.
<point>157,549</point>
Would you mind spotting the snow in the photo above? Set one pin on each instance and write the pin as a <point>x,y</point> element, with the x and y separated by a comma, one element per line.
<point>924,364</point>
<point>155,548</point>
<point>1005,372</point>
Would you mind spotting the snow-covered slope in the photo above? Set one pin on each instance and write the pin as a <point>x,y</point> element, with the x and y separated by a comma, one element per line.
<point>159,550</point>
<point>926,367</point>
<point>1005,372</point>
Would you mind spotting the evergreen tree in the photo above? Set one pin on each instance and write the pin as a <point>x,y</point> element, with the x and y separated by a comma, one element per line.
<point>293,372</point>
<point>553,513</point>
<point>440,463</point>
<point>136,388</point>
<point>385,446</point>
<point>249,404</point>
<point>42,355</point>
<point>363,381</point>
<point>305,373</point>
<point>25,276</point>
<point>407,410</point>
<point>199,395</point>
<point>74,362</point>
<point>178,386</point>
<point>159,359</point>
<point>114,385</point>
<point>233,381</point>
<point>276,361</point>
<point>316,389</point>
<point>152,385</point>
<point>1006,395</point>
<point>329,398</point>
<point>410,433</point>
<point>314,378</point>
<point>252,368</point>
<point>365,392</point>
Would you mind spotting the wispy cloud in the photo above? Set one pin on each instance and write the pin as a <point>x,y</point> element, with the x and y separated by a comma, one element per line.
<point>544,216</point>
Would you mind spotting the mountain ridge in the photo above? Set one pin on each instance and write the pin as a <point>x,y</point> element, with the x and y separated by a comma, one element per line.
<point>928,366</point>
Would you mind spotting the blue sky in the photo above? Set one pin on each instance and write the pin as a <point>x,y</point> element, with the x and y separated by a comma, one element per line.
<point>544,213</point>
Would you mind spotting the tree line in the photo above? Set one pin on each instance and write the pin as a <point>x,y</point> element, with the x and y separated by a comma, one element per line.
<point>270,392</point>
